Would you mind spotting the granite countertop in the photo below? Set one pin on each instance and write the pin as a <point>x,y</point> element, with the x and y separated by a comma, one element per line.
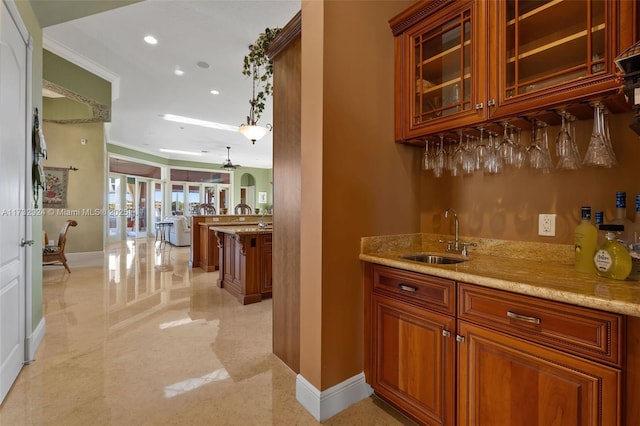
<point>232,223</point>
<point>241,229</point>
<point>535,269</point>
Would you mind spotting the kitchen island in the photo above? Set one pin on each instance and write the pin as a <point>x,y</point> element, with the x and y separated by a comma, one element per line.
<point>245,261</point>
<point>509,334</point>
<point>204,247</point>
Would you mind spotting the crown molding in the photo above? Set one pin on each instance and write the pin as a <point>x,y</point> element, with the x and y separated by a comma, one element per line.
<point>84,62</point>
<point>290,31</point>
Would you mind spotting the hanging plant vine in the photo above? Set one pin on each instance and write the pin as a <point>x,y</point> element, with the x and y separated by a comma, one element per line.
<point>259,67</point>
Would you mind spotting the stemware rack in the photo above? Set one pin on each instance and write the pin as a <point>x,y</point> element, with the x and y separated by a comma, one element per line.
<point>538,121</point>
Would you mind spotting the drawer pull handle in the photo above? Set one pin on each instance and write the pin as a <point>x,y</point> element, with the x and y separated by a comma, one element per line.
<point>405,287</point>
<point>532,320</point>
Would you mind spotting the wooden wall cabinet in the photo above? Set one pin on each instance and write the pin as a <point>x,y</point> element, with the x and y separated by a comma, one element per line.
<point>551,53</point>
<point>439,66</point>
<point>448,353</point>
<point>460,63</point>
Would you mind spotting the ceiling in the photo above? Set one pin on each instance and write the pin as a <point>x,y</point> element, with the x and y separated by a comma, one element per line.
<point>144,87</point>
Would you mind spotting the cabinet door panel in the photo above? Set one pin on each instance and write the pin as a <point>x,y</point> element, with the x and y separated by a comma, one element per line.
<point>438,68</point>
<point>266,270</point>
<point>554,52</point>
<point>413,361</point>
<point>507,381</point>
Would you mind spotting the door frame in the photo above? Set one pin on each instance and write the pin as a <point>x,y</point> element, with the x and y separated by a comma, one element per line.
<point>32,337</point>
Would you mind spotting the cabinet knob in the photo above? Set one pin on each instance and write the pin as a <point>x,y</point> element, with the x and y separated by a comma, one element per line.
<point>491,102</point>
<point>446,333</point>
<point>459,338</point>
<point>479,106</point>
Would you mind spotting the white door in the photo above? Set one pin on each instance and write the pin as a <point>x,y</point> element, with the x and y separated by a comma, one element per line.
<point>13,140</point>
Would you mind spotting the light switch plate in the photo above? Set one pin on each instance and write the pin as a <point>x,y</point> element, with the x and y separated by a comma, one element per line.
<point>547,225</point>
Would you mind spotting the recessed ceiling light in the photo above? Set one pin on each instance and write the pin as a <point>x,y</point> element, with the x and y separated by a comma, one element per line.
<point>203,64</point>
<point>215,92</point>
<point>176,151</point>
<point>197,122</point>
<point>150,39</point>
<point>178,71</point>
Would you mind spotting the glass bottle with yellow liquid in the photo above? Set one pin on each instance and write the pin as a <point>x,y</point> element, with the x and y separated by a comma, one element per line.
<point>612,259</point>
<point>586,240</point>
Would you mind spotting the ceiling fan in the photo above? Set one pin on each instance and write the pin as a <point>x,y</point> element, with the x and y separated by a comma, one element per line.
<point>227,164</point>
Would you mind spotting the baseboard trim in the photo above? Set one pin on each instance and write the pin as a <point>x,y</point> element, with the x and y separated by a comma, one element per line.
<point>33,341</point>
<point>328,403</point>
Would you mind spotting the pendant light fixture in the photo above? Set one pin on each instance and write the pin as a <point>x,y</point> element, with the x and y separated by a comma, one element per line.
<point>258,66</point>
<point>251,130</point>
<point>227,164</point>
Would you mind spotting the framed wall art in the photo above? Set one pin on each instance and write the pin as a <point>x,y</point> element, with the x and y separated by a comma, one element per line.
<point>55,193</point>
<point>262,197</point>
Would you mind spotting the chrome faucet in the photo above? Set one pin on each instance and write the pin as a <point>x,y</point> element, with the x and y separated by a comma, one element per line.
<point>456,246</point>
<point>456,242</point>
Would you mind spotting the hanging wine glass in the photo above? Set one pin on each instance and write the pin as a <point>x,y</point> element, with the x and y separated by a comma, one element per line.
<point>468,157</point>
<point>538,152</point>
<point>439,161</point>
<point>427,160</point>
<point>568,158</point>
<point>520,151</point>
<point>507,147</point>
<point>455,157</point>
<point>598,153</point>
<point>493,160</point>
<point>480,151</point>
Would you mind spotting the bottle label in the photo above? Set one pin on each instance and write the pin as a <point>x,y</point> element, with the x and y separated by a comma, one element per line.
<point>602,260</point>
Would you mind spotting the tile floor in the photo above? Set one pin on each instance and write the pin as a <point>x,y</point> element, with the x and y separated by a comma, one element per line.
<point>145,340</point>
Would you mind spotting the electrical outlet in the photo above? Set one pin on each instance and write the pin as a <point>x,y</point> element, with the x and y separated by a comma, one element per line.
<point>547,225</point>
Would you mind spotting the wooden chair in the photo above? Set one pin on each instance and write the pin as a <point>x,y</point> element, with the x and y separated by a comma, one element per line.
<point>207,209</point>
<point>55,254</point>
<point>242,209</point>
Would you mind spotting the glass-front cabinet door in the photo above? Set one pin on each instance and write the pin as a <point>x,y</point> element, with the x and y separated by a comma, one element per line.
<point>441,65</point>
<point>556,51</point>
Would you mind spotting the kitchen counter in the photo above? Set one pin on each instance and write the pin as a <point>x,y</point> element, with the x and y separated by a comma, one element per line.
<point>203,251</point>
<point>535,269</point>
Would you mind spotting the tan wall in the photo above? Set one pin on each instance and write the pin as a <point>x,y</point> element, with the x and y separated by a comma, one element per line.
<point>355,181</point>
<point>506,206</point>
<point>86,186</point>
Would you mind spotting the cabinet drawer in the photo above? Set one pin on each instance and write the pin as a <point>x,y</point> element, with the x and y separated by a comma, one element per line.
<point>581,331</point>
<point>423,290</point>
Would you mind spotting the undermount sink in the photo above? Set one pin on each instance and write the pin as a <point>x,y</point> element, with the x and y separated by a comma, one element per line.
<point>433,259</point>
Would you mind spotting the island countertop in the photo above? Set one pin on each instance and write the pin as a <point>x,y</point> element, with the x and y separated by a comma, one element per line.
<point>242,229</point>
<point>535,269</point>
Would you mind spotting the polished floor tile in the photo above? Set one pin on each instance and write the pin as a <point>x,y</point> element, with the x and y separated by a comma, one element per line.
<point>146,340</point>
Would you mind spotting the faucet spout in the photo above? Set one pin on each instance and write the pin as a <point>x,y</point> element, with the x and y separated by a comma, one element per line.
<point>456,242</point>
